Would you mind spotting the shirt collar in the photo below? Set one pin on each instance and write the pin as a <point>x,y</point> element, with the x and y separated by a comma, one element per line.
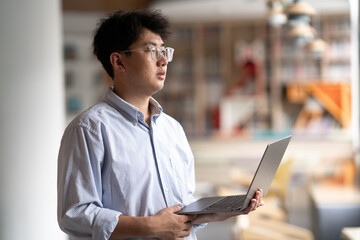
<point>131,112</point>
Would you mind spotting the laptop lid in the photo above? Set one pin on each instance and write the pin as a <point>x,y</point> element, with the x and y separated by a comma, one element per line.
<point>267,168</point>
<point>262,179</point>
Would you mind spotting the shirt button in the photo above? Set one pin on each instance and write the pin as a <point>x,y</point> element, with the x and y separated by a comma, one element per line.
<point>166,190</point>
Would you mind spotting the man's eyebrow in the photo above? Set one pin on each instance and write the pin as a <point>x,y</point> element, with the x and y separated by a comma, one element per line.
<point>152,43</point>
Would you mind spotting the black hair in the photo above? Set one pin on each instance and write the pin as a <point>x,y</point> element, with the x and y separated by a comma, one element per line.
<point>121,29</point>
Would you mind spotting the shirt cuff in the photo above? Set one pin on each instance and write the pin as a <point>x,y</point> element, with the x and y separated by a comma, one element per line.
<point>105,223</point>
<point>199,226</point>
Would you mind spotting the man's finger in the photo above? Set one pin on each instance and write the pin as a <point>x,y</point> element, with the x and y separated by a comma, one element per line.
<point>176,208</point>
<point>257,198</point>
<point>185,233</point>
<point>192,216</point>
<point>185,218</point>
<point>259,201</point>
<point>188,225</point>
<point>253,204</point>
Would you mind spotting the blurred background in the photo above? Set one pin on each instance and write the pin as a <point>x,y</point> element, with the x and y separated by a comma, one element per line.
<point>245,73</point>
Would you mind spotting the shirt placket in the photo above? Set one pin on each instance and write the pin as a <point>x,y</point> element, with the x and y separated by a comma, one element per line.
<point>161,167</point>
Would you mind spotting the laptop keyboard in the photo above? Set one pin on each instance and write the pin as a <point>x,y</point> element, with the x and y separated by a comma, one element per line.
<point>229,202</point>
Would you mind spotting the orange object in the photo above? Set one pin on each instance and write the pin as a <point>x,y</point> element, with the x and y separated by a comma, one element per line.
<point>296,93</point>
<point>336,98</point>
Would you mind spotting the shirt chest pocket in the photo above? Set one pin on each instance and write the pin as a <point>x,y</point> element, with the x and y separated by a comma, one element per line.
<point>178,175</point>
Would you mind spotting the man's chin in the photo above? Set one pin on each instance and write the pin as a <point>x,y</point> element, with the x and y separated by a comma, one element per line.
<point>157,89</point>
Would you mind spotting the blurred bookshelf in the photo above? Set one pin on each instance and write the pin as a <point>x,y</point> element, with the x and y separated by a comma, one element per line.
<point>312,94</point>
<point>85,80</point>
<point>205,64</point>
<point>210,57</point>
<point>207,61</point>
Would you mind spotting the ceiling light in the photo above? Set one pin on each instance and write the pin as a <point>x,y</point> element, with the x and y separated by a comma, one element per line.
<point>300,7</point>
<point>276,16</point>
<point>302,34</point>
<point>299,12</point>
<point>317,47</point>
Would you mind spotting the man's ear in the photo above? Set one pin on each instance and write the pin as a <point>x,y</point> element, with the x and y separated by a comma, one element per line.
<point>116,61</point>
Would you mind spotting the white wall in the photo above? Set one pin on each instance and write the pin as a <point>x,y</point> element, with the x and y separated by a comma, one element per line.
<point>31,117</point>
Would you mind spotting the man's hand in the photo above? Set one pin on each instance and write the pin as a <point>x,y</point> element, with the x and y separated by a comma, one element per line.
<point>215,217</point>
<point>168,225</point>
<point>165,225</point>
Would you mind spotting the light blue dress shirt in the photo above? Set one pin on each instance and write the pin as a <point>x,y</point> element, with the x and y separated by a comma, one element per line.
<point>111,163</point>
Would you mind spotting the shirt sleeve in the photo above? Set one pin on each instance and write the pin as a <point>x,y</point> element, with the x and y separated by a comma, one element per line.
<point>80,210</point>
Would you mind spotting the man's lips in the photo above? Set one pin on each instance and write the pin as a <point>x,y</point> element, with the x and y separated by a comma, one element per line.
<point>161,75</point>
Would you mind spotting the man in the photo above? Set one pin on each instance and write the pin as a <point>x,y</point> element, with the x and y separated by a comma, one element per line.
<point>125,167</point>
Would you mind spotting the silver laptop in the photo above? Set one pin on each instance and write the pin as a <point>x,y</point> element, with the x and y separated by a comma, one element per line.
<point>263,177</point>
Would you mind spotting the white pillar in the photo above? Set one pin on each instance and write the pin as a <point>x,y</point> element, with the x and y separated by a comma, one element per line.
<point>354,14</point>
<point>32,117</point>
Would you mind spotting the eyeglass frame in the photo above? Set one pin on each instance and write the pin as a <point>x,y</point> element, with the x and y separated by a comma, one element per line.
<point>152,50</point>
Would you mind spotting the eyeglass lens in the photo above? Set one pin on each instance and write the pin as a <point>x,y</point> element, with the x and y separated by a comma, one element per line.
<point>157,52</point>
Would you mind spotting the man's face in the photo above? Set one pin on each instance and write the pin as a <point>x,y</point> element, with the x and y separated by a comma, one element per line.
<point>145,75</point>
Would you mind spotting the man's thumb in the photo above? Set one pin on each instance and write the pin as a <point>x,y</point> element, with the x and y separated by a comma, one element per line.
<point>176,208</point>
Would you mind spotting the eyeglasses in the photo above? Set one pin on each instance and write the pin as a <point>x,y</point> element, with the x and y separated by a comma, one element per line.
<point>156,52</point>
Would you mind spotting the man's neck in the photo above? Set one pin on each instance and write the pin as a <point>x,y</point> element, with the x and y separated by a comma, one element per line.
<point>141,102</point>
